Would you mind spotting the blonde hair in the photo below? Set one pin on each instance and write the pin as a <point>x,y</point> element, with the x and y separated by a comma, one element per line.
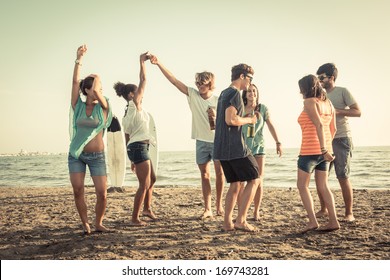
<point>205,78</point>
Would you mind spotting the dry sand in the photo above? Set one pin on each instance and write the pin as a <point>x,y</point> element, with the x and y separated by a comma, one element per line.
<point>42,223</point>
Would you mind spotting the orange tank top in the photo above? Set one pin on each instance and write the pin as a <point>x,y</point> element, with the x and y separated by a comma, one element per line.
<point>310,143</point>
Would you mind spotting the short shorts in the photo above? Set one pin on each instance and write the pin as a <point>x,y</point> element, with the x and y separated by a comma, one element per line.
<point>96,162</point>
<point>313,162</point>
<point>138,152</point>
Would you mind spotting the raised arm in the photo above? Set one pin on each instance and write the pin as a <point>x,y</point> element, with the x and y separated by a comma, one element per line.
<point>139,94</point>
<point>180,86</point>
<point>76,75</point>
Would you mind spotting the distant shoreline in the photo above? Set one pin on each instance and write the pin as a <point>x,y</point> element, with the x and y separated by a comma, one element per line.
<point>40,153</point>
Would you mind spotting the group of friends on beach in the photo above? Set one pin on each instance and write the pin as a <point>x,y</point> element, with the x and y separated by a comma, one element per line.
<point>228,131</point>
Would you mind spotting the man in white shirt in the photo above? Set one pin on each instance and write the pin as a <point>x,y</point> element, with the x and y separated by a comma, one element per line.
<point>200,101</point>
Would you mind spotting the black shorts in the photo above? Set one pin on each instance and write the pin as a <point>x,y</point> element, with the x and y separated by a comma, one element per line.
<point>241,169</point>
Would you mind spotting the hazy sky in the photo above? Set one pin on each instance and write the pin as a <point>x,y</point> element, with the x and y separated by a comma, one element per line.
<point>283,40</point>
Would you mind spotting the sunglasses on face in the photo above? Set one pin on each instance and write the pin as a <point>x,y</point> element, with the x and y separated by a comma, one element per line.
<point>321,78</point>
<point>199,84</point>
<point>249,76</point>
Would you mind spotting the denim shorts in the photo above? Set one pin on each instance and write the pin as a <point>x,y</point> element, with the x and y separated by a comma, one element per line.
<point>138,152</point>
<point>342,149</point>
<point>241,169</point>
<point>313,162</point>
<point>96,163</point>
<point>204,152</point>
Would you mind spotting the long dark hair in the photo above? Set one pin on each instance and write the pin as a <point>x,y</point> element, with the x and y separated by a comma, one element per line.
<point>310,87</point>
<point>245,99</point>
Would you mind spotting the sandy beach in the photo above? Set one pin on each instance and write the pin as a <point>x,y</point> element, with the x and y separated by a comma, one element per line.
<point>42,223</point>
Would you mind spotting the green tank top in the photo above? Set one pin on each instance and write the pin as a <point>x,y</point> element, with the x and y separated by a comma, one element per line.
<point>84,128</point>
<point>256,144</point>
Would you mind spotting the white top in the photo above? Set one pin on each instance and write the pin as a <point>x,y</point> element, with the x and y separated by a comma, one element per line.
<point>136,124</point>
<point>200,120</point>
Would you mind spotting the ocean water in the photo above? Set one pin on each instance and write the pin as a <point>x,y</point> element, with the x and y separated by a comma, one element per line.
<point>370,170</point>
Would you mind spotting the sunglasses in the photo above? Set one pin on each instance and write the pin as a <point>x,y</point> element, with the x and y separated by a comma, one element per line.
<point>249,76</point>
<point>321,78</point>
<point>199,84</point>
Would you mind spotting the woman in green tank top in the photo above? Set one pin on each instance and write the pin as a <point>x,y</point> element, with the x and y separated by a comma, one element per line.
<point>89,119</point>
<point>254,138</point>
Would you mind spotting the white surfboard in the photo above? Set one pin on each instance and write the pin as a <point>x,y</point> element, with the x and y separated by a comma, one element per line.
<point>153,147</point>
<point>116,153</point>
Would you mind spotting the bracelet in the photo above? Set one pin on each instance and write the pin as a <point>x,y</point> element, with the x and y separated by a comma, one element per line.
<point>278,143</point>
<point>323,153</point>
<point>78,62</point>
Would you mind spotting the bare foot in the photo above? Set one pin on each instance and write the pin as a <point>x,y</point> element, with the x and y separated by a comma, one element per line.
<point>138,223</point>
<point>206,214</point>
<point>329,227</point>
<point>321,213</point>
<point>220,212</point>
<point>86,229</point>
<point>228,227</point>
<point>101,228</point>
<point>256,216</point>
<point>349,218</point>
<point>245,227</point>
<point>150,214</point>
<point>309,227</point>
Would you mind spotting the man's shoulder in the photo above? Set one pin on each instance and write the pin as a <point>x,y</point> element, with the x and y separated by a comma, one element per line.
<point>338,89</point>
<point>230,91</point>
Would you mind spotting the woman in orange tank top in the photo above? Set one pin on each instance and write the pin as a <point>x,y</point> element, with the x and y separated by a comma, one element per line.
<point>317,122</point>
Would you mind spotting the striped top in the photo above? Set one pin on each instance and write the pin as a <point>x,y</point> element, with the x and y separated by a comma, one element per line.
<point>310,142</point>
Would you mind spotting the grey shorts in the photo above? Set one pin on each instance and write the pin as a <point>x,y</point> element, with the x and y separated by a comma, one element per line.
<point>95,161</point>
<point>204,152</point>
<point>342,149</point>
